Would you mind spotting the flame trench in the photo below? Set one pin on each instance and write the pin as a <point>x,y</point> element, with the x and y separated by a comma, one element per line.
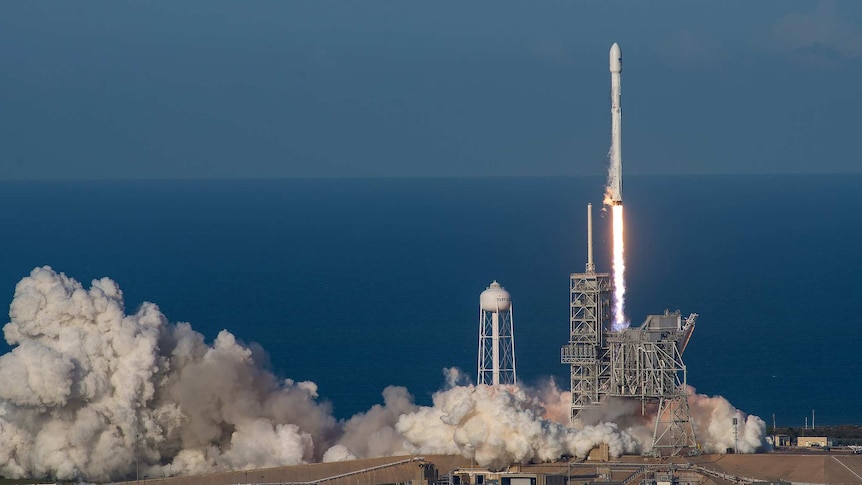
<point>619,268</point>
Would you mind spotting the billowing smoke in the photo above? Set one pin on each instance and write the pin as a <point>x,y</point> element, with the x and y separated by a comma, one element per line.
<point>372,433</point>
<point>556,402</point>
<point>88,390</point>
<point>713,419</point>
<point>500,425</point>
<point>495,426</point>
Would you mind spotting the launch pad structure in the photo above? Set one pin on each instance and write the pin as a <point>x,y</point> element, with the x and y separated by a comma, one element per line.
<point>643,363</point>
<point>615,360</point>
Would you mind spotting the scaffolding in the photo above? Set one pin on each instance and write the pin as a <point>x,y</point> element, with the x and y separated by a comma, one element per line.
<point>586,351</point>
<point>589,317</point>
<point>646,364</point>
<point>643,363</point>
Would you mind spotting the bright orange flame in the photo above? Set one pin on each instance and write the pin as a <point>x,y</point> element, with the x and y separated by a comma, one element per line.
<point>619,266</point>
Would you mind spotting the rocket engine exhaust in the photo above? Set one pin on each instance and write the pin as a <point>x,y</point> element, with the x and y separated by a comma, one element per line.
<point>619,268</point>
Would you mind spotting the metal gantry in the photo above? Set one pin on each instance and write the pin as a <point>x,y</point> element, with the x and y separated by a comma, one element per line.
<point>646,364</point>
<point>589,319</point>
<point>643,363</point>
<point>586,351</point>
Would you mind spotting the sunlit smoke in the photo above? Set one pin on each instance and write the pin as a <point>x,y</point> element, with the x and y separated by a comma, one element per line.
<point>88,390</point>
<point>500,425</point>
<point>711,416</point>
<point>619,266</point>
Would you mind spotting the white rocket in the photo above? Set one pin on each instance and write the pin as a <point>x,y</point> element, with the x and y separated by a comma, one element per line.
<point>615,174</point>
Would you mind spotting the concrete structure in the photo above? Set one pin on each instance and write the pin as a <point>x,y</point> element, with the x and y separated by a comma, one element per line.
<point>496,337</point>
<point>483,476</point>
<point>779,440</point>
<point>813,441</point>
<point>815,467</point>
<point>600,453</point>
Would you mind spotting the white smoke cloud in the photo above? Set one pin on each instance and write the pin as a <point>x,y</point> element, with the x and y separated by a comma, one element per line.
<point>556,402</point>
<point>500,425</point>
<point>713,420</point>
<point>45,383</point>
<point>88,390</point>
<point>711,417</point>
<point>338,453</point>
<point>372,434</point>
<point>456,377</point>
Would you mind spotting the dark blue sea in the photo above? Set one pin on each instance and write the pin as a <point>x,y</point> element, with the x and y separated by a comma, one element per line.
<point>357,284</point>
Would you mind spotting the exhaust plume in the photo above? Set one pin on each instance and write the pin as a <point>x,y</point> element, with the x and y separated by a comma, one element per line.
<point>619,268</point>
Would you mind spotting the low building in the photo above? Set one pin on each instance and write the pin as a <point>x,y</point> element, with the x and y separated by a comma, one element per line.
<point>601,452</point>
<point>813,441</point>
<point>779,440</point>
<point>482,476</point>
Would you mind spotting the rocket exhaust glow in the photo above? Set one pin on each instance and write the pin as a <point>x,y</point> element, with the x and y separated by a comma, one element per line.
<point>614,192</point>
<point>619,268</point>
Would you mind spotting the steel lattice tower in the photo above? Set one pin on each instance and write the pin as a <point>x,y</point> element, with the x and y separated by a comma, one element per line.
<point>646,364</point>
<point>496,337</point>
<point>643,363</point>
<point>589,319</point>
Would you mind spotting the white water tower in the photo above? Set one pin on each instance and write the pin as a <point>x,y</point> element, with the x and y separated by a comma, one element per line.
<point>496,337</point>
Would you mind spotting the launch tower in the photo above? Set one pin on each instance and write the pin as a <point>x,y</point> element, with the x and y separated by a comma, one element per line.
<point>643,363</point>
<point>607,361</point>
<point>589,312</point>
<point>496,337</point>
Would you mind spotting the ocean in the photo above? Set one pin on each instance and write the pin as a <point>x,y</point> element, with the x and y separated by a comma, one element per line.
<point>358,284</point>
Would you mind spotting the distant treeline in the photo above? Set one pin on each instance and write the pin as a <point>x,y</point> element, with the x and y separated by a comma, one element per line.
<point>846,434</point>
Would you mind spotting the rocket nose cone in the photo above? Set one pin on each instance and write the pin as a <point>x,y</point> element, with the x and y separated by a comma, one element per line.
<point>616,58</point>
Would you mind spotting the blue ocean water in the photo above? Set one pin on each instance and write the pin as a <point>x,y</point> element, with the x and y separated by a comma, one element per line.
<point>357,284</point>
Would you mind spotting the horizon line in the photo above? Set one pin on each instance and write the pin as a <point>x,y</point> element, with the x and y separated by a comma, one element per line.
<point>414,177</point>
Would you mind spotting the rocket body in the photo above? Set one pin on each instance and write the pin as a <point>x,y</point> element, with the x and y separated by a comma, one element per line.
<point>615,174</point>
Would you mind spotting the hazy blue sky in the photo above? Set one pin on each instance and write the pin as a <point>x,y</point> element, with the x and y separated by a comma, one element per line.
<point>209,88</point>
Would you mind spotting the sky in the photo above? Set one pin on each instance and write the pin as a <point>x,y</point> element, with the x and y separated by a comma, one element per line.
<point>270,89</point>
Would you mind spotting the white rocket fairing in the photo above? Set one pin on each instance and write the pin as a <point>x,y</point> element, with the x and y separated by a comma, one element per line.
<point>615,174</point>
